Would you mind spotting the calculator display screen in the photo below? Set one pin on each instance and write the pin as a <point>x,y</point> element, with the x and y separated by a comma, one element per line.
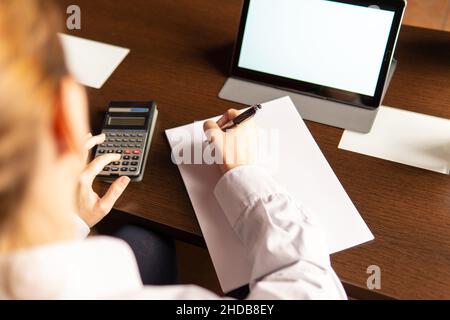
<point>126,121</point>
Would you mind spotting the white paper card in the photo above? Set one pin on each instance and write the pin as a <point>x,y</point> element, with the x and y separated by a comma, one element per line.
<point>91,62</point>
<point>303,171</point>
<point>405,137</point>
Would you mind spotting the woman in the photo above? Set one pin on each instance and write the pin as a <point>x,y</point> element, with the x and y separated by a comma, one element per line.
<point>47,204</point>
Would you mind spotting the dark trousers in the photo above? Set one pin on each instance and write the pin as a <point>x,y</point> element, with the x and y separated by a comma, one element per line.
<point>155,254</point>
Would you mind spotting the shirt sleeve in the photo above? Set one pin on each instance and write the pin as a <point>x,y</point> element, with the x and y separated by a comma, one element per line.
<point>285,245</point>
<point>81,229</point>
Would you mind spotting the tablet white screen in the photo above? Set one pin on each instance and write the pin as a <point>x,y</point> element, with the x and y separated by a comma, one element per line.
<point>322,42</point>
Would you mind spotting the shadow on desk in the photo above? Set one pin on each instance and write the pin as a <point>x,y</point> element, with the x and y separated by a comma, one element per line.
<point>220,58</point>
<point>433,50</point>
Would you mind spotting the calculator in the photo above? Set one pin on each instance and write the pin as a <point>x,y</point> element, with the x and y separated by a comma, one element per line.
<point>128,128</point>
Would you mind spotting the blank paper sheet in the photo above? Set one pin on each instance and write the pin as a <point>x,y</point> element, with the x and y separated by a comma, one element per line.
<point>301,169</point>
<point>91,62</point>
<point>405,137</point>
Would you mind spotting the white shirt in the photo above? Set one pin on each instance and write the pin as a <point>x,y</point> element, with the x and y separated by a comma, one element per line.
<point>289,256</point>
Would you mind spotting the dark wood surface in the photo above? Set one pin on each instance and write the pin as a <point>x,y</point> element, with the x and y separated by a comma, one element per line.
<point>180,53</point>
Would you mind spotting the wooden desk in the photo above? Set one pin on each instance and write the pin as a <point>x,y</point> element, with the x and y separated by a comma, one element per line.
<point>180,53</point>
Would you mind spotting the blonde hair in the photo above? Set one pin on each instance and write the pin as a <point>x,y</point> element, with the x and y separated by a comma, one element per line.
<point>31,69</point>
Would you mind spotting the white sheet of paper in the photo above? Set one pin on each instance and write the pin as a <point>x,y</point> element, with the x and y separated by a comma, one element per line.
<point>303,171</point>
<point>405,137</point>
<point>91,62</point>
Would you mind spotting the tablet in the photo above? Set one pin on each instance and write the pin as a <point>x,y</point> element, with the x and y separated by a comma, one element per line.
<point>338,50</point>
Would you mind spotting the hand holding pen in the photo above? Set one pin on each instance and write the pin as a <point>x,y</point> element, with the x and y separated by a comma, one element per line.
<point>237,147</point>
<point>245,116</point>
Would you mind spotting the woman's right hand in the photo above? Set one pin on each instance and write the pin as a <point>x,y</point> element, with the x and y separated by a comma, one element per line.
<point>237,146</point>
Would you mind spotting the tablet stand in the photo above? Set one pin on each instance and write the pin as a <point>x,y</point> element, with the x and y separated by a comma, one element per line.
<point>314,109</point>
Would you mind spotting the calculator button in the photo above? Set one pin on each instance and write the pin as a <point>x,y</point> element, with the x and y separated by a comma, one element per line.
<point>103,145</point>
<point>133,169</point>
<point>112,134</point>
<point>131,146</point>
<point>101,151</point>
<point>115,169</point>
<point>126,157</point>
<point>139,146</point>
<point>140,140</point>
<point>110,151</point>
<point>126,135</point>
<point>134,163</point>
<point>118,140</point>
<point>116,163</point>
<point>125,140</point>
<point>137,152</point>
<point>132,140</point>
<point>119,135</point>
<point>119,151</point>
<point>110,145</point>
<point>135,158</point>
<point>140,135</point>
<point>107,169</point>
<point>125,163</point>
<point>128,151</point>
<point>134,135</point>
<point>124,169</point>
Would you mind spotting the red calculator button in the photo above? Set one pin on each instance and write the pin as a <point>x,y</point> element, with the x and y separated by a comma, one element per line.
<point>137,151</point>
<point>127,152</point>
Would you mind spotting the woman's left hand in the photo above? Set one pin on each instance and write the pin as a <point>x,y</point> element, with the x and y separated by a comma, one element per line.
<point>92,208</point>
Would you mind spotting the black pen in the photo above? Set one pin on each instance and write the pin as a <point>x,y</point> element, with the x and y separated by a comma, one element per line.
<point>247,115</point>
